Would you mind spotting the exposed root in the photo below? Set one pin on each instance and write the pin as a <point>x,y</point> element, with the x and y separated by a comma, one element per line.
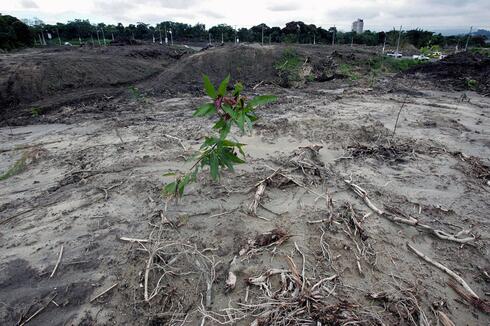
<point>457,283</point>
<point>392,216</point>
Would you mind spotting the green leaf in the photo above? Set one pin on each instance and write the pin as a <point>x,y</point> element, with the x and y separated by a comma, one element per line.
<point>222,87</point>
<point>220,124</point>
<point>168,174</point>
<point>261,100</point>
<point>232,157</point>
<point>213,165</point>
<point>170,189</point>
<point>184,182</point>
<point>225,130</point>
<point>238,89</point>
<point>229,143</point>
<point>209,88</point>
<point>205,109</point>
<point>240,121</point>
<point>228,109</point>
<point>248,121</point>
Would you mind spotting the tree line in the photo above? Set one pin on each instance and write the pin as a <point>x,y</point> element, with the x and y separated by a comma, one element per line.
<point>15,33</point>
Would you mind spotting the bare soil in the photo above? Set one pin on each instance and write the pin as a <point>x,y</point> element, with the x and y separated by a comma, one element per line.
<point>313,252</point>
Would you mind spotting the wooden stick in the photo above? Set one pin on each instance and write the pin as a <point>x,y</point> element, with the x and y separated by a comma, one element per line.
<point>443,268</point>
<point>37,312</point>
<point>363,194</point>
<point>103,292</point>
<point>57,263</point>
<point>133,240</point>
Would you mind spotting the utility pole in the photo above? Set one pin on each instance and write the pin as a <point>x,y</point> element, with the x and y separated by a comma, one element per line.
<point>468,39</point>
<point>236,35</point>
<point>59,39</point>
<point>166,37</point>
<point>160,31</point>
<point>398,42</point>
<point>314,39</point>
<point>171,37</point>
<point>333,37</point>
<point>222,39</point>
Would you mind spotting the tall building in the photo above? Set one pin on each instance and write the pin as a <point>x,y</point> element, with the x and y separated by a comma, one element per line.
<point>358,26</point>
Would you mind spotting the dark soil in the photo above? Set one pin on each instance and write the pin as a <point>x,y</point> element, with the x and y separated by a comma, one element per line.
<point>456,71</point>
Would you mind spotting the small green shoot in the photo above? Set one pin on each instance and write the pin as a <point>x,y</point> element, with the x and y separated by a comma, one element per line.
<point>218,152</point>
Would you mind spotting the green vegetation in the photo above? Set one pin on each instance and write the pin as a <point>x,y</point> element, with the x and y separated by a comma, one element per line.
<point>472,84</point>
<point>482,51</point>
<point>348,71</point>
<point>18,167</point>
<point>288,67</point>
<point>36,112</point>
<point>13,33</point>
<point>218,152</point>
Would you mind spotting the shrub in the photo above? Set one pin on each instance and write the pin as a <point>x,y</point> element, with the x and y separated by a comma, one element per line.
<point>218,152</point>
<point>472,84</point>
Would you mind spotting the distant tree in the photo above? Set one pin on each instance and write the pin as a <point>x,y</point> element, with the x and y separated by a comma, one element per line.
<point>224,30</point>
<point>14,33</point>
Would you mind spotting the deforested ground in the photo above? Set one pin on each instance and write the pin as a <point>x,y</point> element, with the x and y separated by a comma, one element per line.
<point>88,239</point>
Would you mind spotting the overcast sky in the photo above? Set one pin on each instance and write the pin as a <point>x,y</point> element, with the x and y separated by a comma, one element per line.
<point>378,15</point>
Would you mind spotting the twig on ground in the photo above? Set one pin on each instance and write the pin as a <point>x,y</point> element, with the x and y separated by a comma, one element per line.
<point>57,262</point>
<point>37,312</point>
<point>261,185</point>
<point>103,292</point>
<point>455,276</point>
<point>178,139</point>
<point>407,219</point>
<point>133,240</point>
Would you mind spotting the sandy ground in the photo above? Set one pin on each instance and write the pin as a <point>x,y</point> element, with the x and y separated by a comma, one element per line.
<point>95,174</point>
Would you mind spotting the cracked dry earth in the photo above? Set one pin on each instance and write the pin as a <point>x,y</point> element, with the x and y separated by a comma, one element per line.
<point>94,174</point>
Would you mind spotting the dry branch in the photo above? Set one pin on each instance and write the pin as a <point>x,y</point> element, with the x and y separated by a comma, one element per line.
<point>103,292</point>
<point>408,220</point>
<point>261,185</point>
<point>443,268</point>
<point>57,263</point>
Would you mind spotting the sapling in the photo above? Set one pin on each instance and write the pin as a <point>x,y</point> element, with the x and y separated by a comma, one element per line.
<point>218,151</point>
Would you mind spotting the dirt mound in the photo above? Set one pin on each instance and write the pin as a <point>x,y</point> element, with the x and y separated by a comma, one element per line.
<point>53,74</point>
<point>288,66</point>
<point>461,71</point>
<point>245,63</point>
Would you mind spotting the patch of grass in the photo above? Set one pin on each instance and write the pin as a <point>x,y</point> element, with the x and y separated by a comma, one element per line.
<point>482,51</point>
<point>288,66</point>
<point>36,112</point>
<point>391,65</point>
<point>347,70</point>
<point>472,84</point>
<point>18,167</point>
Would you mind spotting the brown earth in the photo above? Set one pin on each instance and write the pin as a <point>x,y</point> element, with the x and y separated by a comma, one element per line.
<point>314,252</point>
<point>44,78</point>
